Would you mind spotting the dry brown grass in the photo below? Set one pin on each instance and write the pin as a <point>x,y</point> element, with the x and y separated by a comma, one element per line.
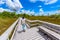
<point>45,18</point>
<point>5,23</point>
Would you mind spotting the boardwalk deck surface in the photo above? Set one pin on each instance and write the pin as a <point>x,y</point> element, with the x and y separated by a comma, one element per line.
<point>33,34</point>
<point>30,34</point>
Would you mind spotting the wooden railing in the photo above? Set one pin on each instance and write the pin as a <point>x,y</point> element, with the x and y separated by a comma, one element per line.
<point>51,26</point>
<point>6,34</point>
<point>55,26</point>
<point>52,31</point>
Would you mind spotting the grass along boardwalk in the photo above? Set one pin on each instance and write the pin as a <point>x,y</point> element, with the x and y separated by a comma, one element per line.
<point>34,33</point>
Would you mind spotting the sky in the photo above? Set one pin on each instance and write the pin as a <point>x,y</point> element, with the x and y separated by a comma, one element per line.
<point>36,7</point>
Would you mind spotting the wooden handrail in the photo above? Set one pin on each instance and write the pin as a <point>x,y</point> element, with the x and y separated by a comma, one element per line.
<point>41,22</point>
<point>5,35</point>
<point>46,23</point>
<point>50,33</point>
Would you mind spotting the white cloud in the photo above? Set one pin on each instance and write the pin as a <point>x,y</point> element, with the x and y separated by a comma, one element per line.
<point>46,2</point>
<point>16,5</point>
<point>28,12</point>
<point>1,2</point>
<point>8,10</point>
<point>10,4</point>
<point>40,6</point>
<point>50,2</point>
<point>41,11</point>
<point>52,12</point>
<point>33,1</point>
<point>2,9</point>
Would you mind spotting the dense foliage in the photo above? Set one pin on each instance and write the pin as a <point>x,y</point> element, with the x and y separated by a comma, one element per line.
<point>7,18</point>
<point>55,16</point>
<point>8,14</point>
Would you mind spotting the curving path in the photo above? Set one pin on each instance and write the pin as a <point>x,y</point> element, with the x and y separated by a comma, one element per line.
<point>30,34</point>
<point>35,34</point>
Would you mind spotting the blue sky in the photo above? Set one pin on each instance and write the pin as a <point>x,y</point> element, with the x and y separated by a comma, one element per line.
<point>30,6</point>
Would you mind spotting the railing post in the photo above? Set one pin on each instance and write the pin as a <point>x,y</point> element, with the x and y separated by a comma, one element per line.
<point>5,35</point>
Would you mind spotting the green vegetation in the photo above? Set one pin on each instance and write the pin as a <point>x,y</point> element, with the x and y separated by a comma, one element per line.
<point>5,23</point>
<point>52,18</point>
<point>7,18</point>
<point>8,15</point>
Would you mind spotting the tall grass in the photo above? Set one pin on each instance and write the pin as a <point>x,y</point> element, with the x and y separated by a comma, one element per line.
<point>52,18</point>
<point>7,18</point>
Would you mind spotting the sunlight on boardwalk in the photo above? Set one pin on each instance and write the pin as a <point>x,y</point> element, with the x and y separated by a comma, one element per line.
<point>30,34</point>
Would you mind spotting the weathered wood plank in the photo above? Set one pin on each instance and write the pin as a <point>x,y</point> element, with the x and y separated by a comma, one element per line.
<point>52,34</point>
<point>30,34</point>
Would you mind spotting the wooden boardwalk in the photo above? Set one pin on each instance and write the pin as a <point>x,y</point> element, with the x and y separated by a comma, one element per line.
<point>33,34</point>
<point>30,34</point>
<point>46,31</point>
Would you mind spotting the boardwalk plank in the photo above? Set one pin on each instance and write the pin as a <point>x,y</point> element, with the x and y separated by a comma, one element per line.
<point>30,34</point>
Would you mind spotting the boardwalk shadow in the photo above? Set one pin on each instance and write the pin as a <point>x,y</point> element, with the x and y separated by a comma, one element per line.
<point>44,35</point>
<point>21,31</point>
